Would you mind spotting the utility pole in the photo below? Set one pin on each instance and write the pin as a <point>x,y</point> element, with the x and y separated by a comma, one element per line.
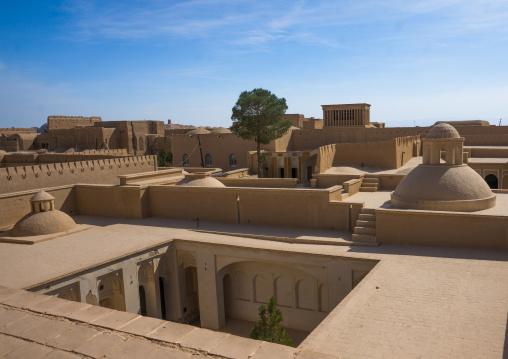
<point>201,152</point>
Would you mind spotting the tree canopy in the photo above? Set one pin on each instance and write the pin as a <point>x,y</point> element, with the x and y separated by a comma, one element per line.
<point>258,115</point>
<point>268,328</point>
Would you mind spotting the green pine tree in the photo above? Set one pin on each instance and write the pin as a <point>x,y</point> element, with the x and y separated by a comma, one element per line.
<point>259,115</point>
<point>165,159</point>
<point>268,328</point>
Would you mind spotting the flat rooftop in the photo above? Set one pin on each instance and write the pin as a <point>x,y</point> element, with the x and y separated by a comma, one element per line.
<point>417,301</point>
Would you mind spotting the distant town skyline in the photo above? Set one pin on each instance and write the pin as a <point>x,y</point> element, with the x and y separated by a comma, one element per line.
<point>415,62</point>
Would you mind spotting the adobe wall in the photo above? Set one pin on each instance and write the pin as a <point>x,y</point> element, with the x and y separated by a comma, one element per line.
<point>488,152</point>
<point>486,140</point>
<point>388,182</point>
<point>68,122</point>
<point>14,130</point>
<point>133,135</point>
<point>284,143</point>
<point>383,154</point>
<point>22,178</point>
<point>500,170</point>
<point>327,180</point>
<point>259,182</point>
<point>219,147</point>
<point>13,206</point>
<point>239,173</point>
<point>296,119</point>
<point>21,159</point>
<point>83,138</point>
<point>305,139</point>
<point>112,201</point>
<point>441,229</point>
<point>308,208</point>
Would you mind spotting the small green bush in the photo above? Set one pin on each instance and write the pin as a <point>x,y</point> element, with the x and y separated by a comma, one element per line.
<point>268,328</point>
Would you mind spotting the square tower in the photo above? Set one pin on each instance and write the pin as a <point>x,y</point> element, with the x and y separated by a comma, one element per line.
<point>349,115</point>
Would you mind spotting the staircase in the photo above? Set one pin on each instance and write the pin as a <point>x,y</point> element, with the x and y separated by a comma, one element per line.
<point>365,229</point>
<point>370,183</point>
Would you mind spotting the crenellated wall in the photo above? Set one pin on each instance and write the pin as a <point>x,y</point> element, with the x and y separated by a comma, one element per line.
<point>23,158</point>
<point>106,171</point>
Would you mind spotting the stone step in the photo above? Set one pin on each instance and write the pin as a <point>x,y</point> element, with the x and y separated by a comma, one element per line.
<point>369,184</point>
<point>367,217</point>
<point>370,180</point>
<point>368,175</point>
<point>363,223</point>
<point>368,211</point>
<point>368,189</point>
<point>365,230</point>
<point>364,237</point>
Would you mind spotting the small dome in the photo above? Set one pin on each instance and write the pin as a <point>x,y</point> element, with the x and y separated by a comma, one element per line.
<point>40,223</point>
<point>198,131</point>
<point>200,179</point>
<point>42,196</point>
<point>443,130</point>
<point>219,130</point>
<point>43,219</point>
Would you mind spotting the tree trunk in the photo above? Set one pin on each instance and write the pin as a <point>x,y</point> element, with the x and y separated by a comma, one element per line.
<point>260,172</point>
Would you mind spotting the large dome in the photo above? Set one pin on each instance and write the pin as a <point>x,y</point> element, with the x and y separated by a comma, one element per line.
<point>443,188</point>
<point>40,223</point>
<point>441,131</point>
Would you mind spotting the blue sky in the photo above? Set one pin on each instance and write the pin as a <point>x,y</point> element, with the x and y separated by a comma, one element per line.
<point>415,62</point>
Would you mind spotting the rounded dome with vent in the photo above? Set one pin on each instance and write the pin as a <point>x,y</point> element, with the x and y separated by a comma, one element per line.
<point>44,218</point>
<point>198,131</point>
<point>37,224</point>
<point>219,130</point>
<point>443,130</point>
<point>200,179</point>
<point>443,188</point>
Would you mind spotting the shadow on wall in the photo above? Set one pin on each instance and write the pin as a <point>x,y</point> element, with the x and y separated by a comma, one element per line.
<point>429,251</point>
<point>212,226</point>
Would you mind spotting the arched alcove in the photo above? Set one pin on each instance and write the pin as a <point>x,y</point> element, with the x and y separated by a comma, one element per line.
<point>111,292</point>
<point>492,181</point>
<point>146,280</point>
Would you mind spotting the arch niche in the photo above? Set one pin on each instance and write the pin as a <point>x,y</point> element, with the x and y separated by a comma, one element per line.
<point>111,291</point>
<point>146,285</point>
<point>492,181</point>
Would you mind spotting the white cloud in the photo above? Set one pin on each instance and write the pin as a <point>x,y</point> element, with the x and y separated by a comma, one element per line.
<point>262,25</point>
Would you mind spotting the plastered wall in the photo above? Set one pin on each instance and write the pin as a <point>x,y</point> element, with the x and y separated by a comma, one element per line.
<point>111,201</point>
<point>384,154</point>
<point>259,182</point>
<point>441,229</point>
<point>474,135</point>
<point>22,178</point>
<point>258,206</point>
